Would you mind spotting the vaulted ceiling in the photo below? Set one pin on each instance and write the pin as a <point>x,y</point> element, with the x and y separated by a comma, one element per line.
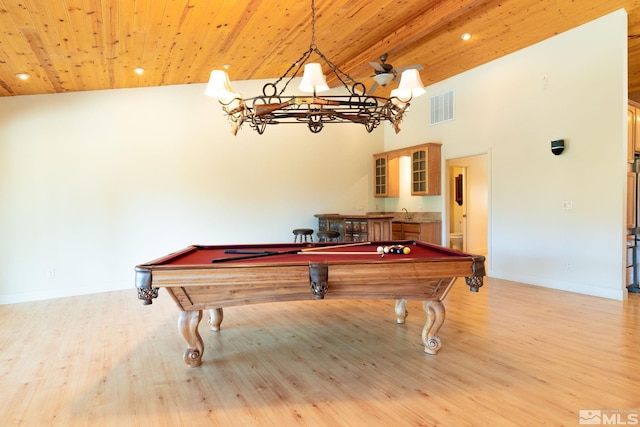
<point>80,45</point>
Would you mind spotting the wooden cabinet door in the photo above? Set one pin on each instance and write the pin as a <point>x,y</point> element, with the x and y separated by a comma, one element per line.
<point>631,133</point>
<point>379,229</point>
<point>396,231</point>
<point>380,166</point>
<point>633,114</point>
<point>386,173</point>
<point>430,232</point>
<point>425,170</point>
<point>418,172</point>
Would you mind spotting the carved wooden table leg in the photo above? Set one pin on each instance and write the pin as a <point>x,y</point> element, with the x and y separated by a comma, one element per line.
<point>401,310</point>
<point>435,319</point>
<point>188,325</point>
<point>215,318</point>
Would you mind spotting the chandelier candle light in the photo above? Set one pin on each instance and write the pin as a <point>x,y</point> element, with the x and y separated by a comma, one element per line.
<point>272,107</point>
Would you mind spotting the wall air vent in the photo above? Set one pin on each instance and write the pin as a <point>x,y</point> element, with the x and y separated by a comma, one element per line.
<point>442,107</point>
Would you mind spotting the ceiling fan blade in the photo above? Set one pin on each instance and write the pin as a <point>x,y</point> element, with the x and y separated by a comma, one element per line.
<point>377,66</point>
<point>373,88</point>
<point>409,67</point>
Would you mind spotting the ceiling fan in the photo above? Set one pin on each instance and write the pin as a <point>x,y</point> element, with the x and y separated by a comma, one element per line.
<point>386,73</point>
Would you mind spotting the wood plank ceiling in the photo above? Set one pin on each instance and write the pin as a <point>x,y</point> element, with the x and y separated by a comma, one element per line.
<point>80,45</point>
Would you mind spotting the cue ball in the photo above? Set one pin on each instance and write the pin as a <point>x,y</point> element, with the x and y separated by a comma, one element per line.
<point>406,250</point>
<point>380,249</point>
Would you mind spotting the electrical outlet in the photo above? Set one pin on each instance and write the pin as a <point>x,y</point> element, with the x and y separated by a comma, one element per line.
<point>567,205</point>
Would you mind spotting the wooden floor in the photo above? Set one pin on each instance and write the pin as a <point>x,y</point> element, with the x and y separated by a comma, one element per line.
<point>512,355</point>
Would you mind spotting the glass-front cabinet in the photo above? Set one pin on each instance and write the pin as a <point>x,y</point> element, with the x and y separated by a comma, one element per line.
<point>425,170</point>
<point>418,172</point>
<point>386,176</point>
<point>380,173</point>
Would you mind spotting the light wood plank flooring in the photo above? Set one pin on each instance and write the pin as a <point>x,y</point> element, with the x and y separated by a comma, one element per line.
<point>512,355</point>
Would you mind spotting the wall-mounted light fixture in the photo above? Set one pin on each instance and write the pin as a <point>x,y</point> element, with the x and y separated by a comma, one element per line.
<point>557,146</point>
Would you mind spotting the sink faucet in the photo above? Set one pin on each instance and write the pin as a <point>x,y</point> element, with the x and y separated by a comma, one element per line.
<point>406,216</point>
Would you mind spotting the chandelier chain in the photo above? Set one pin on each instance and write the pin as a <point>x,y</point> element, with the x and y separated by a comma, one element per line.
<point>313,23</point>
<point>300,62</point>
<point>305,56</point>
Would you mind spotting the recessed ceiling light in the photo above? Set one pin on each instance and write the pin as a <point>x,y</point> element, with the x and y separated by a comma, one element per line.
<point>139,71</point>
<point>23,76</point>
<point>466,36</point>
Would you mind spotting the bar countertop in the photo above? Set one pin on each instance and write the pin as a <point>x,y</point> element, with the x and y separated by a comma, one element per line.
<point>357,216</point>
<point>411,217</point>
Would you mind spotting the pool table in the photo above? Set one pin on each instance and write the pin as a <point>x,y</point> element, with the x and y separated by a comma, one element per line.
<point>212,277</point>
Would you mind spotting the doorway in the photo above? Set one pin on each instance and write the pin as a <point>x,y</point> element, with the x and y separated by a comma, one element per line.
<point>467,203</point>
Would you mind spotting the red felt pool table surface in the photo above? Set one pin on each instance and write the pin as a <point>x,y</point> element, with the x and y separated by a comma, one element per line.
<point>200,255</point>
<point>209,278</point>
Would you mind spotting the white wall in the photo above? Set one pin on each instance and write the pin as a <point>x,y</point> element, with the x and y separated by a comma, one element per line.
<point>572,87</point>
<point>93,183</point>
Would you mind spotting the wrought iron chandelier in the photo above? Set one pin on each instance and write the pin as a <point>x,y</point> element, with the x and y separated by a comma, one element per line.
<point>273,107</point>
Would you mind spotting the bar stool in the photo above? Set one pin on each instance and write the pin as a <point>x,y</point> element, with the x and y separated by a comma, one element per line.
<point>302,233</point>
<point>328,236</point>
